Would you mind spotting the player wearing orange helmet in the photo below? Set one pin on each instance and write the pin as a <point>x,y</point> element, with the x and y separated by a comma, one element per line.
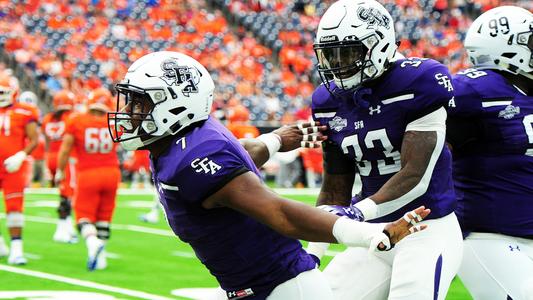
<point>18,138</point>
<point>54,129</point>
<point>98,174</point>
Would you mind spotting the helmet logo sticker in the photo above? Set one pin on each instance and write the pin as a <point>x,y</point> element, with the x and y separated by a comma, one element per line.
<point>373,17</point>
<point>175,74</point>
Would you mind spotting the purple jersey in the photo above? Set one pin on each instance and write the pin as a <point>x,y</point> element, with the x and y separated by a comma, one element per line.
<point>490,128</point>
<point>368,126</point>
<point>239,251</point>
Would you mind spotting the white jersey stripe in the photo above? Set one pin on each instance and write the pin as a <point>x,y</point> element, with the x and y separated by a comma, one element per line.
<point>398,98</point>
<point>419,189</point>
<point>325,115</point>
<point>495,103</point>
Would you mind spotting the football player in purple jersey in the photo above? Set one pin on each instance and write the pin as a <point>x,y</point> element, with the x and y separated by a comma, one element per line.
<point>212,193</point>
<point>386,116</point>
<point>490,129</point>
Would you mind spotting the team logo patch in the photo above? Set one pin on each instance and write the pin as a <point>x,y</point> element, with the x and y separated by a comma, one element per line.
<point>373,18</point>
<point>174,74</point>
<point>509,112</point>
<point>205,165</point>
<point>338,123</point>
<point>445,81</point>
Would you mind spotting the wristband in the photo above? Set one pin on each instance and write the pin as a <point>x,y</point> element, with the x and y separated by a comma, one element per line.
<point>368,207</point>
<point>272,141</point>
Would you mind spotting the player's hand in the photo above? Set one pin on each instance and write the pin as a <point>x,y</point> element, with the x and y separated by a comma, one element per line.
<point>308,135</point>
<point>351,211</point>
<point>13,163</point>
<point>408,224</point>
<point>58,177</point>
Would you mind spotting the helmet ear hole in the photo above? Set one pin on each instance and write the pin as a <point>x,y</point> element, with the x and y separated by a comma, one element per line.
<point>191,116</point>
<point>178,110</point>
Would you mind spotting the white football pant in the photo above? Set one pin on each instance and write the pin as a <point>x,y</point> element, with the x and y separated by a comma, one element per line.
<point>419,267</point>
<point>309,285</point>
<point>497,266</point>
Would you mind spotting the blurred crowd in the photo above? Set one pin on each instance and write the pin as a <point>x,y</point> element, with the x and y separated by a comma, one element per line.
<point>259,52</point>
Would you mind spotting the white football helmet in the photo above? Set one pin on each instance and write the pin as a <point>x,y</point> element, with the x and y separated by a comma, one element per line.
<point>502,39</point>
<point>9,89</point>
<point>355,42</point>
<point>162,93</point>
<point>28,97</point>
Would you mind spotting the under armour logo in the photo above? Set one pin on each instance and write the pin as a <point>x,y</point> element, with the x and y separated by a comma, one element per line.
<point>445,81</point>
<point>376,110</point>
<point>513,249</point>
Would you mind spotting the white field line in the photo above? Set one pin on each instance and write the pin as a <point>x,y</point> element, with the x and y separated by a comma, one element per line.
<point>149,192</point>
<point>135,228</point>
<point>84,283</point>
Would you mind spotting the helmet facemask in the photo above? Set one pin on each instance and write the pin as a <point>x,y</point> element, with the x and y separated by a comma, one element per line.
<point>344,62</point>
<point>133,123</point>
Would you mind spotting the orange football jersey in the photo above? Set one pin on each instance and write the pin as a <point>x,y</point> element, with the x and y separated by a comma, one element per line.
<point>92,142</point>
<point>54,130</point>
<point>243,130</point>
<point>13,121</point>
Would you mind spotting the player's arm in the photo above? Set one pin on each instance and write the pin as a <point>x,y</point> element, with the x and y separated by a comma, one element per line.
<point>62,158</point>
<point>246,194</point>
<point>32,136</point>
<point>14,162</point>
<point>422,145</point>
<point>285,138</point>
<point>338,176</point>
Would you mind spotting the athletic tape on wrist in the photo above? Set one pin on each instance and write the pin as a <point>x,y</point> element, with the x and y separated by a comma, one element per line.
<point>368,207</point>
<point>356,234</point>
<point>272,141</point>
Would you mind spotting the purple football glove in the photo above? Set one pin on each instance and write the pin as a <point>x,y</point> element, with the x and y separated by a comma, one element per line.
<point>351,211</point>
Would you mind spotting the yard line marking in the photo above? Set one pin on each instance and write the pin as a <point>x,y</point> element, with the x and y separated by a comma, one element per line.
<point>84,283</point>
<point>136,228</point>
<point>183,254</point>
<point>113,255</point>
<point>200,293</point>
<point>32,256</point>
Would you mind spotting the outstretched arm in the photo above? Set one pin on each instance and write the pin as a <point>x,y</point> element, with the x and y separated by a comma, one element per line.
<point>246,194</point>
<point>285,138</point>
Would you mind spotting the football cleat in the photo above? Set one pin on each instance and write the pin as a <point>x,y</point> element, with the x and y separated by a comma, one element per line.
<point>18,260</point>
<point>64,236</point>
<point>151,217</point>
<point>95,253</point>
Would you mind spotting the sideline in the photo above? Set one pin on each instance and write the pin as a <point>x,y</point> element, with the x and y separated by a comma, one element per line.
<point>84,283</point>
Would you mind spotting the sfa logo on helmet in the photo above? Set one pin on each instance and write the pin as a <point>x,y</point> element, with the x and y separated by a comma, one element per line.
<point>373,17</point>
<point>174,74</point>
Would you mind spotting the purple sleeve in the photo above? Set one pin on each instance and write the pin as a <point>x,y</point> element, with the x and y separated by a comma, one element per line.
<point>210,167</point>
<point>467,102</point>
<point>433,89</point>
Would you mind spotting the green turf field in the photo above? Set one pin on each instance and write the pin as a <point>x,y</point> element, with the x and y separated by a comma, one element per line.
<point>146,261</point>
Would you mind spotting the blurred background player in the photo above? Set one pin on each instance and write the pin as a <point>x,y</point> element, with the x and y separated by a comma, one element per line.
<point>238,118</point>
<point>36,159</point>
<point>97,176</point>
<point>491,132</point>
<point>139,166</point>
<point>18,138</point>
<point>53,127</point>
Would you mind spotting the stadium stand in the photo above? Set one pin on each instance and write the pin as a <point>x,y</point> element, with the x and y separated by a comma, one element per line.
<point>259,52</point>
